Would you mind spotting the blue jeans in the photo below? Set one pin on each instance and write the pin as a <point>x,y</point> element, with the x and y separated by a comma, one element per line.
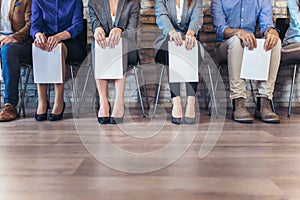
<point>12,55</point>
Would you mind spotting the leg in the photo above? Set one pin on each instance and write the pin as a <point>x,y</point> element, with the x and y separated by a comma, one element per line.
<point>233,50</point>
<point>12,56</point>
<point>59,87</point>
<point>42,99</point>
<point>118,111</point>
<point>191,89</point>
<point>102,87</point>
<point>264,110</point>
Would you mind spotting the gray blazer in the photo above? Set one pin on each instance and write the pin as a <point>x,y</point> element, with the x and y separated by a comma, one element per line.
<point>166,18</point>
<point>127,17</point>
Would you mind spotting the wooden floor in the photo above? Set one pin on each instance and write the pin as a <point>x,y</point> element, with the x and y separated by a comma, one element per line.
<point>47,161</point>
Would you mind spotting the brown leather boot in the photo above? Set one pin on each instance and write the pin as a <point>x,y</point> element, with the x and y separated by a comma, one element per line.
<point>264,111</point>
<point>240,112</point>
<point>8,113</point>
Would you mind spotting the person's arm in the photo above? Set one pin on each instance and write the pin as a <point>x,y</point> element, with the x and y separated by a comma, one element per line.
<point>164,23</point>
<point>97,28</point>
<point>77,22</point>
<point>224,31</point>
<point>267,25</point>
<point>196,21</point>
<point>22,35</point>
<point>162,17</point>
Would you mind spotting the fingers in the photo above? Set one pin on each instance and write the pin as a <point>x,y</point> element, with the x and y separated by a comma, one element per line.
<point>270,42</point>
<point>52,42</point>
<point>40,41</point>
<point>114,37</point>
<point>176,37</point>
<point>99,36</point>
<point>190,42</point>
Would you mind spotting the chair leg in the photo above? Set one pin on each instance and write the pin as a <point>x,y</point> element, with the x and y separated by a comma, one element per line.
<point>139,91</point>
<point>21,94</point>
<point>74,90</point>
<point>214,102</point>
<point>252,92</point>
<point>84,89</point>
<point>25,87</point>
<point>145,88</point>
<point>292,91</point>
<point>158,89</point>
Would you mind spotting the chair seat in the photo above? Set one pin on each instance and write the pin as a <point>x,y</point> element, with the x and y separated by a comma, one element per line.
<point>290,54</point>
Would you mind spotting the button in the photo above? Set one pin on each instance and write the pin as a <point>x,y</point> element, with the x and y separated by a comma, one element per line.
<point>242,20</point>
<point>242,9</point>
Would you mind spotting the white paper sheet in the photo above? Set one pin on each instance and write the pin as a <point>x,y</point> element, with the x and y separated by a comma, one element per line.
<point>256,63</point>
<point>47,66</point>
<point>183,64</point>
<point>109,62</point>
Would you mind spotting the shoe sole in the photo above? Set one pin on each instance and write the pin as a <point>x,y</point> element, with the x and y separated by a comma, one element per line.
<point>244,121</point>
<point>271,121</point>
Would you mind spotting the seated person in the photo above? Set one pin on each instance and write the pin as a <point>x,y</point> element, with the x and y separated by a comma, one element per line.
<point>184,22</point>
<point>55,22</point>
<point>235,23</point>
<point>123,16</point>
<point>15,47</point>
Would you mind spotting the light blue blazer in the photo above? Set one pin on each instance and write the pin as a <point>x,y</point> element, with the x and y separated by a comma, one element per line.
<point>166,18</point>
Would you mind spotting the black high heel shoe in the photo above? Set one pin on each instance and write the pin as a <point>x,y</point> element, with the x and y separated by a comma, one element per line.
<point>175,120</point>
<point>54,117</point>
<point>117,120</point>
<point>42,117</point>
<point>105,120</point>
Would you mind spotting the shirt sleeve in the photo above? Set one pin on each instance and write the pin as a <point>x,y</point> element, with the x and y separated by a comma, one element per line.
<point>219,18</point>
<point>196,19</point>
<point>77,20</point>
<point>266,16</point>
<point>36,19</point>
<point>162,17</point>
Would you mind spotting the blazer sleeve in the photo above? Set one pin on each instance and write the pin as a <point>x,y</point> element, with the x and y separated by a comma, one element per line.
<point>134,16</point>
<point>23,34</point>
<point>77,20</point>
<point>196,19</point>
<point>163,17</point>
<point>36,20</point>
<point>95,22</point>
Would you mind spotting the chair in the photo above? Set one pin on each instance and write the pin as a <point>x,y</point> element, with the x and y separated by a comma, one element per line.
<point>289,56</point>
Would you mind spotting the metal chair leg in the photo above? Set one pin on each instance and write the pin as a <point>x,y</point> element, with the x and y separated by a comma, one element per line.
<point>23,91</point>
<point>84,89</point>
<point>252,92</point>
<point>292,91</point>
<point>145,88</point>
<point>73,89</point>
<point>214,102</point>
<point>158,89</point>
<point>139,91</point>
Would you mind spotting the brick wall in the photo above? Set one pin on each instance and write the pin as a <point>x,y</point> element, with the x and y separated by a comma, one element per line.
<point>147,21</point>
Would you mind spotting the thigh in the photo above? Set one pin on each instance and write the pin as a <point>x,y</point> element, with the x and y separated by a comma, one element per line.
<point>75,52</point>
<point>17,51</point>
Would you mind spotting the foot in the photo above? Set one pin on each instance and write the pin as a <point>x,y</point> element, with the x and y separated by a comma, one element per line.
<point>42,108</point>
<point>190,107</point>
<point>104,110</point>
<point>57,108</point>
<point>264,111</point>
<point>240,113</point>
<point>176,107</point>
<point>8,113</point>
<point>119,110</point>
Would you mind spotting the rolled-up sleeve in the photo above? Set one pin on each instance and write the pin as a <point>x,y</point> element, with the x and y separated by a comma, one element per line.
<point>162,17</point>
<point>196,19</point>
<point>77,20</point>
<point>219,18</point>
<point>266,16</point>
<point>36,19</point>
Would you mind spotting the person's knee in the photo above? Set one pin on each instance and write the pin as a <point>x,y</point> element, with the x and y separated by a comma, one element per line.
<point>8,50</point>
<point>235,42</point>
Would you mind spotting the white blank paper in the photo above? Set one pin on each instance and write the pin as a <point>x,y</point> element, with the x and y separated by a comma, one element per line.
<point>109,62</point>
<point>47,66</point>
<point>183,64</point>
<point>256,63</point>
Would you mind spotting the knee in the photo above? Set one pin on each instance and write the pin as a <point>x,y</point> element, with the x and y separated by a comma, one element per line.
<point>8,50</point>
<point>235,42</point>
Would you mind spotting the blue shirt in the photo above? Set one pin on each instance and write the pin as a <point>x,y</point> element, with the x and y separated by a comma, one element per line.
<point>241,14</point>
<point>55,16</point>
<point>293,33</point>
